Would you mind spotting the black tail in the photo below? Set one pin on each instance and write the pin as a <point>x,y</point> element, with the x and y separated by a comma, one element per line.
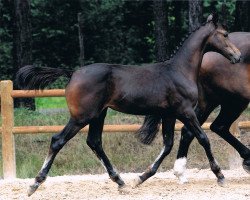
<point>148,131</point>
<point>31,77</point>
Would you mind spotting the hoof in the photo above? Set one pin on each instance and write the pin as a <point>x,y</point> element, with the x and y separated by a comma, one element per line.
<point>246,165</point>
<point>221,182</point>
<point>124,189</point>
<point>32,189</point>
<point>182,179</point>
<point>136,182</point>
<point>179,170</point>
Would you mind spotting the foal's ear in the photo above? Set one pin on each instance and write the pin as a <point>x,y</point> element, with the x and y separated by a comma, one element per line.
<point>213,17</point>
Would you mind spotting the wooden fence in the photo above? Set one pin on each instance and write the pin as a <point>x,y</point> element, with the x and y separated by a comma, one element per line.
<point>8,129</point>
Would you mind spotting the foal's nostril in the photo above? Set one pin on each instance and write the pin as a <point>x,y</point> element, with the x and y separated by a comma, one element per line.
<point>240,58</point>
<point>236,57</point>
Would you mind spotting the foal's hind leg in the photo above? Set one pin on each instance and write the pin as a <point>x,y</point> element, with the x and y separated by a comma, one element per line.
<point>57,143</point>
<point>168,140</point>
<point>222,124</point>
<point>94,141</point>
<point>188,117</point>
<point>202,112</point>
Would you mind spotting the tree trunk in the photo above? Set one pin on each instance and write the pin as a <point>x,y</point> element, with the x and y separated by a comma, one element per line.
<point>213,5</point>
<point>224,13</point>
<point>160,15</point>
<point>195,14</point>
<point>177,22</point>
<point>81,37</point>
<point>242,17</point>
<point>22,41</point>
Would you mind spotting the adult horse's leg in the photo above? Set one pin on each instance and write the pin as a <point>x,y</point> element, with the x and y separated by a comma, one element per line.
<point>202,112</point>
<point>57,143</point>
<point>168,139</point>
<point>190,120</point>
<point>221,126</point>
<point>94,141</point>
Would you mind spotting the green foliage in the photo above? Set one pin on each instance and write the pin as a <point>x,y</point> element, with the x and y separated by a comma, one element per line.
<point>55,32</point>
<point>229,19</point>
<point>24,117</point>
<point>51,102</point>
<point>120,34</point>
<point>5,41</point>
<point>115,31</point>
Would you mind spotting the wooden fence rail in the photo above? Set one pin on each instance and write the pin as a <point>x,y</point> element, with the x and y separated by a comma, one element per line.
<point>8,130</point>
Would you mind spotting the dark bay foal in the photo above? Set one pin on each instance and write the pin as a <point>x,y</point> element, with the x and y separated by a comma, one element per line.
<point>166,89</point>
<point>220,84</point>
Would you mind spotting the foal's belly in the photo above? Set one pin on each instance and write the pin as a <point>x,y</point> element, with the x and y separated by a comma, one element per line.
<point>135,110</point>
<point>139,105</point>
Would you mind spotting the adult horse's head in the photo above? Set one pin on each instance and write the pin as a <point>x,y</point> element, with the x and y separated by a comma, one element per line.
<point>218,40</point>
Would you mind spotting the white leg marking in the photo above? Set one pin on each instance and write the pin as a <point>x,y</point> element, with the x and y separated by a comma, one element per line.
<point>47,159</point>
<point>158,157</point>
<point>180,168</point>
<point>103,165</point>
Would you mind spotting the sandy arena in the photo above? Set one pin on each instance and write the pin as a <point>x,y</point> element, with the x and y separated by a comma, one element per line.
<point>202,185</point>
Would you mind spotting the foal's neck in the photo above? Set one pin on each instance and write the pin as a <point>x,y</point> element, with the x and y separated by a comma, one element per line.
<point>188,59</point>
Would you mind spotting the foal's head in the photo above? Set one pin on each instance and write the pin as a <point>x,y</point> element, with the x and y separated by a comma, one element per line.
<point>218,40</point>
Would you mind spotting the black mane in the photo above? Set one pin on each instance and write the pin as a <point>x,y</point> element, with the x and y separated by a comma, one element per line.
<point>183,40</point>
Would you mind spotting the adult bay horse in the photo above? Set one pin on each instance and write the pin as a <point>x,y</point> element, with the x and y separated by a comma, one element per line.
<point>220,84</point>
<point>167,89</point>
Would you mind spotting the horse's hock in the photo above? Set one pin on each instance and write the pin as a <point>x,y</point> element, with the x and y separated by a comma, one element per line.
<point>8,129</point>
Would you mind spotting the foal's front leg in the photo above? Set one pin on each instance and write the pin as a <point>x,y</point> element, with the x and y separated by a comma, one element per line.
<point>168,138</point>
<point>202,112</point>
<point>189,119</point>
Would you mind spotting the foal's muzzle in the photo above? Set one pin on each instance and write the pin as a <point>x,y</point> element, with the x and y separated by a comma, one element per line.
<point>235,55</point>
<point>235,59</point>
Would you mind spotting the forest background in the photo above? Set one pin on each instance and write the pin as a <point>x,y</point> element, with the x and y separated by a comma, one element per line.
<point>47,32</point>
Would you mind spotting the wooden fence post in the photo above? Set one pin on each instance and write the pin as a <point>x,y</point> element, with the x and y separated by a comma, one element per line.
<point>8,142</point>
<point>234,158</point>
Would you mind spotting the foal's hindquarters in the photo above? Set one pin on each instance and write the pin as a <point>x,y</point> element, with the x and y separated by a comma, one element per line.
<point>86,106</point>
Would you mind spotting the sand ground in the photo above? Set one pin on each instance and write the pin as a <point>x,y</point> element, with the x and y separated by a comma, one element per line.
<point>202,185</point>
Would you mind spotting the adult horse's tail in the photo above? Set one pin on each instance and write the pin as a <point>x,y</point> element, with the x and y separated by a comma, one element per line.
<point>148,131</point>
<point>31,77</point>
